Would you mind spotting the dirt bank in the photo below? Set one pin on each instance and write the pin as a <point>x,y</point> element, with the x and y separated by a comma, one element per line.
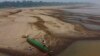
<point>17,23</point>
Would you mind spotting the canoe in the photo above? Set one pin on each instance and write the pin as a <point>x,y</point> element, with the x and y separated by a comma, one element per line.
<point>38,44</point>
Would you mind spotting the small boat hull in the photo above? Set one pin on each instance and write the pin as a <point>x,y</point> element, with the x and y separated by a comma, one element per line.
<point>38,44</point>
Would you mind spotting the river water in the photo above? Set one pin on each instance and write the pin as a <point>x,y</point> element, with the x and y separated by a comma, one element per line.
<point>83,48</point>
<point>89,17</point>
<point>2,54</point>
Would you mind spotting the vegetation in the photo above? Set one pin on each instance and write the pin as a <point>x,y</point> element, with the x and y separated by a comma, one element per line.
<point>7,4</point>
<point>11,4</point>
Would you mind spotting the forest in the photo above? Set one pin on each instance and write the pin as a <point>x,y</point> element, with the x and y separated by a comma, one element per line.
<point>11,4</point>
<point>7,4</point>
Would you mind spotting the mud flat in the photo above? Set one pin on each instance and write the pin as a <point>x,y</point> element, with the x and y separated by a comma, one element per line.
<point>14,24</point>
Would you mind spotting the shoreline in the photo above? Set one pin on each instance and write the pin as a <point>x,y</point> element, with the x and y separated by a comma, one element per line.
<point>46,21</point>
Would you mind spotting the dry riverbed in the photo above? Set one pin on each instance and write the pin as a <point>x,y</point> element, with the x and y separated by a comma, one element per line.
<point>16,23</point>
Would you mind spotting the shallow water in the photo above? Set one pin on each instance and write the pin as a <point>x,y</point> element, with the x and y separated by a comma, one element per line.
<point>92,26</point>
<point>88,21</point>
<point>1,54</point>
<point>95,10</point>
<point>83,48</point>
<point>87,25</point>
<point>83,16</point>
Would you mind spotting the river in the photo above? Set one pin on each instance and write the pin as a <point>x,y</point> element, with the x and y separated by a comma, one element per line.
<point>89,17</point>
<point>83,48</point>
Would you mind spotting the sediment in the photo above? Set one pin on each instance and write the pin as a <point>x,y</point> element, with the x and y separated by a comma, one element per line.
<point>51,22</point>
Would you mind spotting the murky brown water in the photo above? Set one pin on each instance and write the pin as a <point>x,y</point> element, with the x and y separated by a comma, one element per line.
<point>1,54</point>
<point>83,48</point>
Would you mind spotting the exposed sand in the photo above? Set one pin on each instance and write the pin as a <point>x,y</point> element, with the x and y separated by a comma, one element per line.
<point>14,24</point>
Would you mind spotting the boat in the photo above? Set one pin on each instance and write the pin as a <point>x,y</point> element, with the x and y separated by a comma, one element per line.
<point>37,44</point>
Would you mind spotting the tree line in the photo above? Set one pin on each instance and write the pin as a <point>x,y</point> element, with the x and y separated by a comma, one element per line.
<point>6,4</point>
<point>9,4</point>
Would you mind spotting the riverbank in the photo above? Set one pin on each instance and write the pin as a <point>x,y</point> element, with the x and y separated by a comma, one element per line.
<point>16,23</point>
